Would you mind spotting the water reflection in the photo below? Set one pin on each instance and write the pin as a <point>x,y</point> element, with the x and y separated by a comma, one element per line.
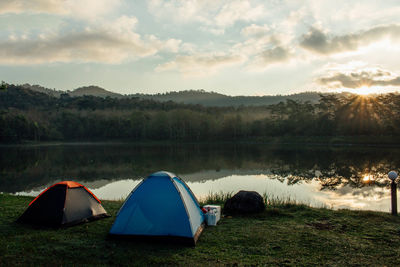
<point>335,176</point>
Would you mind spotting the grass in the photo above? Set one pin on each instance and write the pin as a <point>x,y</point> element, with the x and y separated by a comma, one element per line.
<point>285,234</point>
<point>217,198</point>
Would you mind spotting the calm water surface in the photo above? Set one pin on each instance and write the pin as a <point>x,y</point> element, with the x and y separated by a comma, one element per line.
<point>337,177</point>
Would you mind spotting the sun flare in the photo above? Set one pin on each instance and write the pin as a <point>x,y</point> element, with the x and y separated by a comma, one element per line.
<point>366,90</point>
<point>367,178</point>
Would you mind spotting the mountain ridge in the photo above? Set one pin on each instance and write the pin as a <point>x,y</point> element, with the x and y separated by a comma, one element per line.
<point>200,97</point>
<point>216,99</point>
<point>94,90</point>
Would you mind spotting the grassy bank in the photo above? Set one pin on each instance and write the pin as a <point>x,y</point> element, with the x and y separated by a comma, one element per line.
<point>285,234</point>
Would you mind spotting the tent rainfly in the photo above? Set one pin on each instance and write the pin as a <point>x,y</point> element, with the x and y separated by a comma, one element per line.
<point>163,207</point>
<point>63,204</point>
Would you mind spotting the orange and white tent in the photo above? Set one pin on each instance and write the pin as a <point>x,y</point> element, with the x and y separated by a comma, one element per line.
<point>63,204</point>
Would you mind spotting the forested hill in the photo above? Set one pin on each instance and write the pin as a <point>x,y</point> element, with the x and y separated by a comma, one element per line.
<point>219,100</point>
<point>16,97</point>
<point>195,97</point>
<point>36,116</point>
<point>91,90</point>
<point>94,91</point>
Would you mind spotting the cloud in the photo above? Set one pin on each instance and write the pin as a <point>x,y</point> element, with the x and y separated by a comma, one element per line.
<point>216,15</point>
<point>256,30</point>
<point>31,6</point>
<point>257,43</point>
<point>268,57</point>
<point>89,46</point>
<point>88,9</point>
<point>200,64</point>
<point>213,30</point>
<point>257,53</point>
<point>276,54</point>
<point>319,42</point>
<point>360,78</point>
<point>238,11</point>
<point>262,50</point>
<point>113,42</point>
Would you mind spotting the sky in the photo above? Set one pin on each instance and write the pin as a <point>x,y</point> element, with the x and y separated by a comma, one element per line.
<point>232,47</point>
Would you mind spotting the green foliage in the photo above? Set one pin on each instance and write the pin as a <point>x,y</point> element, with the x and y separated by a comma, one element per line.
<point>3,86</point>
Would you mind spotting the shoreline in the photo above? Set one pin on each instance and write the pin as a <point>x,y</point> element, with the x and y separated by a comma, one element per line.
<point>316,141</point>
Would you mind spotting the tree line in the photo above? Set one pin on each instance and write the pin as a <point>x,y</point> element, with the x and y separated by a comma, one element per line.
<point>34,116</point>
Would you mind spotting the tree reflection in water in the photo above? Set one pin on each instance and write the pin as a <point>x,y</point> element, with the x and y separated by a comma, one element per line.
<point>24,168</point>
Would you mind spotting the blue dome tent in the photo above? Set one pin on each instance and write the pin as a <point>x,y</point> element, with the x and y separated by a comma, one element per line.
<point>161,206</point>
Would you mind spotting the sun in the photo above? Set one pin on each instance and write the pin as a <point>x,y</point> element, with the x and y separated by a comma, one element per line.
<point>366,90</point>
<point>367,179</point>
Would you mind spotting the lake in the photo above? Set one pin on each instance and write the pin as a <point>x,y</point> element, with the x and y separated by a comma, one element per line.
<point>353,177</point>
